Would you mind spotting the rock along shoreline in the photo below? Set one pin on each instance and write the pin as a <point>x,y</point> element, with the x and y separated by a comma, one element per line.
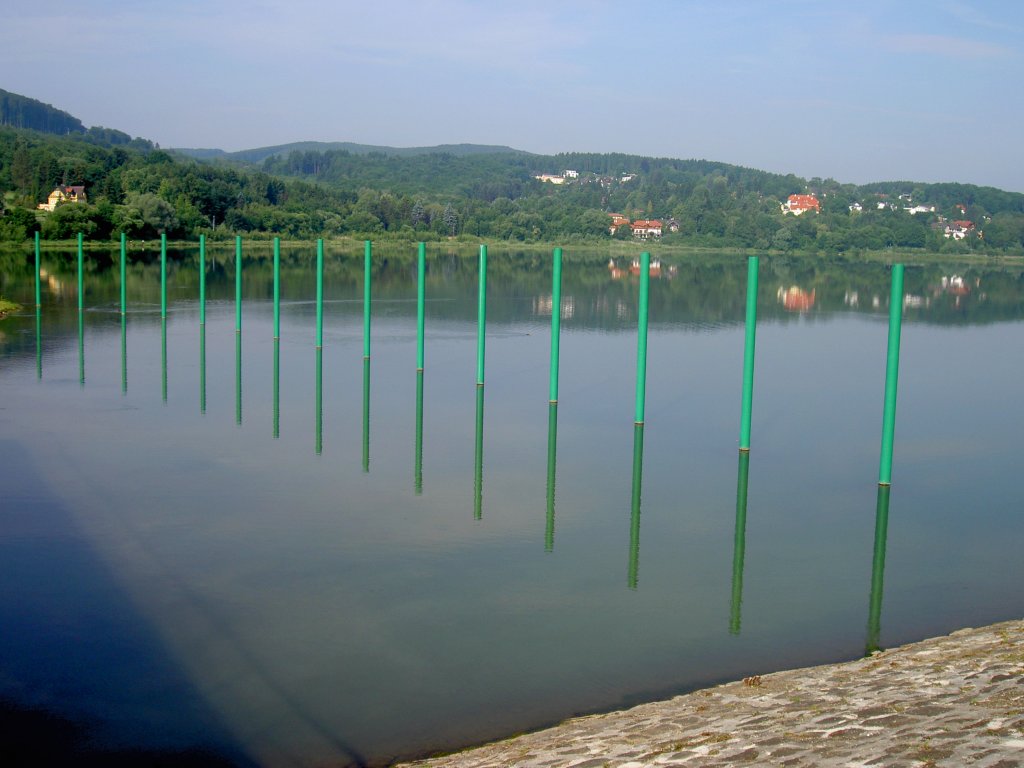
<point>955,700</point>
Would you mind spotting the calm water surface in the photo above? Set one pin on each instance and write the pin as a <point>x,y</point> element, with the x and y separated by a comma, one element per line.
<point>187,567</point>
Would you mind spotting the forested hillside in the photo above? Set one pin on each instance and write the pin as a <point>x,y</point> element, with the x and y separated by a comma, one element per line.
<point>135,187</point>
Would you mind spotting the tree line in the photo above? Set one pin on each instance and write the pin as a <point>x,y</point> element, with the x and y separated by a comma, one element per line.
<point>135,187</point>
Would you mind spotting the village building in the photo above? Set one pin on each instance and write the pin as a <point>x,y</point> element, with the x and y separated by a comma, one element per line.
<point>63,194</point>
<point>550,178</point>
<point>797,204</point>
<point>958,230</point>
<point>644,229</point>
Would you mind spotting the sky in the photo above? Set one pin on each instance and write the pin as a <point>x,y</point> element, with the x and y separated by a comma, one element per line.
<point>869,90</point>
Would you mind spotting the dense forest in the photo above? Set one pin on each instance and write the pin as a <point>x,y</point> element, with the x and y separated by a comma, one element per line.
<point>493,194</point>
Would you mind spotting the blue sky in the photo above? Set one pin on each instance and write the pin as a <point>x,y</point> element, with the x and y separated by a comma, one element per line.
<point>859,91</point>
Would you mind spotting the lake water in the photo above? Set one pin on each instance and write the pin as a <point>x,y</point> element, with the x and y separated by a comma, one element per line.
<point>187,567</point>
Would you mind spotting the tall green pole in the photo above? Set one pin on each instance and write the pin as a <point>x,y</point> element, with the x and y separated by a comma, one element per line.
<point>81,291</point>
<point>202,368</point>
<point>418,466</point>
<point>367,260</point>
<point>202,279</point>
<point>39,295</point>
<point>319,294</point>
<point>238,283</point>
<point>739,543</point>
<point>634,516</point>
<point>878,570</point>
<point>892,367</point>
<point>319,401</point>
<point>556,322</point>
<point>124,273</point>
<point>549,525</point>
<point>481,318</point>
<point>124,354</point>
<point>163,275</point>
<point>277,288</point>
<point>277,389</point>
<point>366,414</point>
<point>421,293</point>
<point>163,359</point>
<point>748,353</point>
<point>39,342</point>
<point>641,349</point>
<point>478,458</point>
<point>238,378</point>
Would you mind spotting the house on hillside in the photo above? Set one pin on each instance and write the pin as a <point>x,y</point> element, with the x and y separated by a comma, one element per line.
<point>958,230</point>
<point>797,204</point>
<point>550,178</point>
<point>62,194</point>
<point>618,220</point>
<point>644,229</point>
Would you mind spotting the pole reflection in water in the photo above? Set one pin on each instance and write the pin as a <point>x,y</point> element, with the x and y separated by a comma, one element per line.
<point>124,353</point>
<point>202,368</point>
<point>238,378</point>
<point>277,387</point>
<point>549,526</point>
<point>418,469</point>
<point>634,517</point>
<point>163,359</point>
<point>878,571</point>
<point>366,414</point>
<point>319,401</point>
<point>739,543</point>
<point>478,466</point>
<point>39,342</point>
<point>81,348</point>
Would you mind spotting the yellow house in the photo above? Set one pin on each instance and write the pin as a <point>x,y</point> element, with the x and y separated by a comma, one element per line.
<point>63,194</point>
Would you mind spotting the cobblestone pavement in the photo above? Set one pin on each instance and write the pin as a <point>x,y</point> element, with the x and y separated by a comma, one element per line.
<point>949,701</point>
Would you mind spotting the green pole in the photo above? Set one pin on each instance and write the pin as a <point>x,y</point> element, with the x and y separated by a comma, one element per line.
<point>81,349</point>
<point>81,291</point>
<point>277,388</point>
<point>478,462</point>
<point>319,294</point>
<point>124,272</point>
<point>277,288</point>
<point>238,378</point>
<point>163,359</point>
<point>739,543</point>
<point>748,353</point>
<point>878,570</point>
<point>418,467</point>
<point>39,342</point>
<point>202,368</point>
<point>39,295</point>
<point>163,275</point>
<point>556,322</point>
<point>634,517</point>
<point>124,354</point>
<point>481,318</point>
<point>202,279</point>
<point>238,283</point>
<point>366,414</point>
<point>319,401</point>
<point>892,367</point>
<point>549,526</point>
<point>641,349</point>
<point>421,293</point>
<point>367,259</point>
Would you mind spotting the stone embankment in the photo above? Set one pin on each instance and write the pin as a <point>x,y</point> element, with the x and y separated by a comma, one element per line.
<point>948,701</point>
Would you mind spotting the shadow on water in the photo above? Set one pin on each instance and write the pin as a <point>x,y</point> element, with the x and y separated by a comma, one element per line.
<point>62,704</point>
<point>82,642</point>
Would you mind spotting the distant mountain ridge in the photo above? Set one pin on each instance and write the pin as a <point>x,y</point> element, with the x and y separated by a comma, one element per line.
<point>259,154</point>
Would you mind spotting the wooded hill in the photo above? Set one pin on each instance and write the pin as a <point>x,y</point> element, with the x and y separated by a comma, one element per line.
<point>312,190</point>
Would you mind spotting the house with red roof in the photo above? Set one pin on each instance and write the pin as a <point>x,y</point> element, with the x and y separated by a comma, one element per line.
<point>797,204</point>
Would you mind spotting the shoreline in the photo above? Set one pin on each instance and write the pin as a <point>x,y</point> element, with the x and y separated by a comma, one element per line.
<point>950,700</point>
